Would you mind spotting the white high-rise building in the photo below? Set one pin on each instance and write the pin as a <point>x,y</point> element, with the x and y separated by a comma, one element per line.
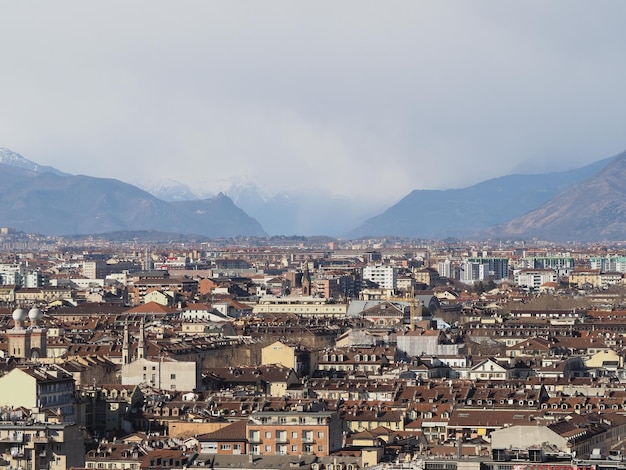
<point>385,276</point>
<point>609,264</point>
<point>534,278</point>
<point>12,273</point>
<point>474,271</point>
<point>445,269</point>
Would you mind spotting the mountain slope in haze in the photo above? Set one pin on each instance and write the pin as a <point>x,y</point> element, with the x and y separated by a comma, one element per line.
<point>468,211</point>
<point>60,204</point>
<point>11,158</point>
<point>304,212</point>
<point>592,210</point>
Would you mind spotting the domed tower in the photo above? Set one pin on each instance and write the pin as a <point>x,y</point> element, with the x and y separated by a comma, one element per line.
<point>35,316</point>
<point>19,315</point>
<point>18,337</point>
<point>38,334</point>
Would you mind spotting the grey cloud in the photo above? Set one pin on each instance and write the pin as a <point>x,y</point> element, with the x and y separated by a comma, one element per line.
<point>323,94</point>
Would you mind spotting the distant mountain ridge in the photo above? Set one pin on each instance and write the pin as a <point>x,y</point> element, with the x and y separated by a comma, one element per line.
<point>470,211</point>
<point>303,212</point>
<point>9,157</point>
<point>41,200</point>
<point>592,210</point>
<point>587,203</point>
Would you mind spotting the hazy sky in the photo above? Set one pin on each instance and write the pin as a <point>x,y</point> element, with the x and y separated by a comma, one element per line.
<point>371,99</point>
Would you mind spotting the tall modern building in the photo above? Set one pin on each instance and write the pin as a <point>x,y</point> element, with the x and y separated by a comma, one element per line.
<point>12,273</point>
<point>445,269</point>
<point>486,268</point>
<point>534,278</point>
<point>548,262</point>
<point>498,267</point>
<point>385,276</point>
<point>609,264</point>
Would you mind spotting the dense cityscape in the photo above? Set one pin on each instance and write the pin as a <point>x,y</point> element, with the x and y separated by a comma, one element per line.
<point>313,353</point>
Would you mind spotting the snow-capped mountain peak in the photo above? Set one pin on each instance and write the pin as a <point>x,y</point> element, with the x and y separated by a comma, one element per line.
<point>9,157</point>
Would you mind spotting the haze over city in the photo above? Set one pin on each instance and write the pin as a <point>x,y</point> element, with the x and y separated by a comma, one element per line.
<point>333,96</point>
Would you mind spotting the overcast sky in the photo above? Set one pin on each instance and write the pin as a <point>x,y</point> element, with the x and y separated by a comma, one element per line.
<point>371,99</point>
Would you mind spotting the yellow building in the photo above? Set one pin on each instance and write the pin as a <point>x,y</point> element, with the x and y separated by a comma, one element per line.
<point>606,359</point>
<point>588,277</point>
<point>305,306</point>
<point>426,276</point>
<point>39,387</point>
<point>297,358</point>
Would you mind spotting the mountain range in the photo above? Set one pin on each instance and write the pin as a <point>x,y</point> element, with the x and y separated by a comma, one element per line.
<point>42,200</point>
<point>586,203</point>
<point>592,210</point>
<point>470,211</point>
<point>305,212</point>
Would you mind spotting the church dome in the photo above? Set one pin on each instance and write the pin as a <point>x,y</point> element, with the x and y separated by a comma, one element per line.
<point>19,314</point>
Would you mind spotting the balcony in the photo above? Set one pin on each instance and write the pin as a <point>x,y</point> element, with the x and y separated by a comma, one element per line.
<point>17,453</point>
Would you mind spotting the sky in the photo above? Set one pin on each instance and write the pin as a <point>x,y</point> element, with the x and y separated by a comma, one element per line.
<point>357,98</point>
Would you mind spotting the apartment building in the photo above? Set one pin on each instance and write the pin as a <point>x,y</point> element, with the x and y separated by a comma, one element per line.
<point>534,278</point>
<point>305,306</point>
<point>294,433</point>
<point>608,263</point>
<point>47,388</point>
<point>385,276</point>
<point>492,267</point>
<point>31,442</point>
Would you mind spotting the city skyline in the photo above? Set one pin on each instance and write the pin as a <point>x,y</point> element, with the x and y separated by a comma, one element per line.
<point>412,96</point>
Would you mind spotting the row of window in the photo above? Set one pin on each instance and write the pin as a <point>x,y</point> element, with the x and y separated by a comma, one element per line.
<point>254,434</point>
<point>341,357</point>
<point>282,449</point>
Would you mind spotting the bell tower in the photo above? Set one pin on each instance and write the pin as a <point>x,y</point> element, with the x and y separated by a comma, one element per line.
<point>306,280</point>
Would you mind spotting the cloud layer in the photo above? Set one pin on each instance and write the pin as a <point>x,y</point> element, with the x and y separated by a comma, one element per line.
<point>357,98</point>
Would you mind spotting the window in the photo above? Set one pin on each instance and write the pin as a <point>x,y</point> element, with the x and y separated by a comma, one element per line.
<point>294,448</point>
<point>173,376</point>
<point>320,448</point>
<point>268,449</point>
<point>225,447</point>
<point>294,434</point>
<point>268,434</point>
<point>320,434</point>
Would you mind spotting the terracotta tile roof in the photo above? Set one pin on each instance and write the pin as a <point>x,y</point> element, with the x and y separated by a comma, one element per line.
<point>151,307</point>
<point>233,432</point>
